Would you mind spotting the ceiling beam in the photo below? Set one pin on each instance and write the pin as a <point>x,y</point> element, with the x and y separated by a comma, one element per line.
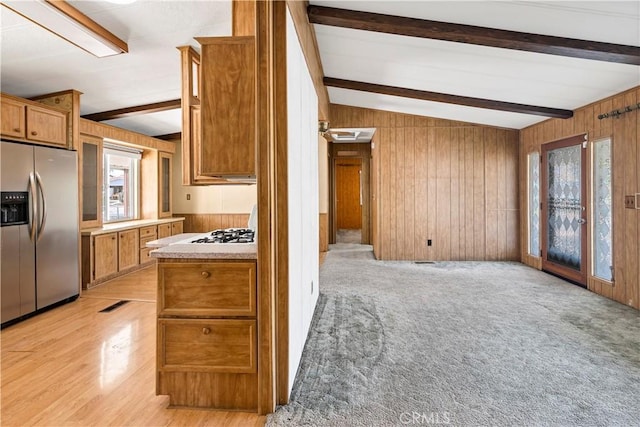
<point>449,99</point>
<point>471,34</point>
<point>134,111</point>
<point>170,136</point>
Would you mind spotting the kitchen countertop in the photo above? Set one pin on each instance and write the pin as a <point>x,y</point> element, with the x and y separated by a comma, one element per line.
<point>126,225</point>
<point>170,247</point>
<point>166,241</point>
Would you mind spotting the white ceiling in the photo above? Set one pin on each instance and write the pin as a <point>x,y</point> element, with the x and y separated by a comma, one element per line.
<point>35,62</point>
<point>477,71</point>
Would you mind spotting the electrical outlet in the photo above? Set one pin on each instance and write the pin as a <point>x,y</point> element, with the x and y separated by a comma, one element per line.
<point>630,202</point>
<point>429,242</point>
<point>188,196</point>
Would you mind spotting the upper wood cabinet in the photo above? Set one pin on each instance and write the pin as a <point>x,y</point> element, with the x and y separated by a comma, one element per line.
<point>13,118</point>
<point>90,154</point>
<point>30,121</point>
<point>227,104</point>
<point>46,125</point>
<point>219,108</point>
<point>165,177</point>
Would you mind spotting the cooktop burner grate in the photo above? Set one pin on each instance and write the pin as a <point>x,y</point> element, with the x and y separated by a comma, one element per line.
<point>229,235</point>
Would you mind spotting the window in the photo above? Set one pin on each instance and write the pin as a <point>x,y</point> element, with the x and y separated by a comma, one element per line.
<point>602,210</point>
<point>121,183</point>
<point>533,174</point>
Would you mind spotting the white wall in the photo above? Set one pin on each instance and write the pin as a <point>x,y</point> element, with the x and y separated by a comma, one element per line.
<point>302,105</point>
<point>209,199</point>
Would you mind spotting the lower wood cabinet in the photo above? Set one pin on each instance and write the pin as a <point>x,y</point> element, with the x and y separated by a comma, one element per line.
<point>207,334</point>
<point>106,263</point>
<point>128,249</point>
<point>164,230</point>
<point>176,228</point>
<point>147,234</point>
<point>107,255</point>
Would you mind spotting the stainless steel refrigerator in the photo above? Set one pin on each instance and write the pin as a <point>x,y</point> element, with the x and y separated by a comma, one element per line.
<point>39,234</point>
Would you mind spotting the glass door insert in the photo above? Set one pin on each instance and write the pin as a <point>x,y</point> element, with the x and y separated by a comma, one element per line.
<point>563,209</point>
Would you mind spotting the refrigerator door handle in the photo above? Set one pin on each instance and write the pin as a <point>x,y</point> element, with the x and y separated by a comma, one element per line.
<point>34,208</point>
<point>43,219</point>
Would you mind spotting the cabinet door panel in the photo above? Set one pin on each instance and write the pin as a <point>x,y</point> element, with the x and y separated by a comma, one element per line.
<point>207,289</point>
<point>164,230</point>
<point>13,118</point>
<point>45,125</point>
<point>128,249</point>
<point>164,185</point>
<point>105,255</point>
<point>91,175</point>
<point>176,228</point>
<point>210,345</point>
<point>227,106</point>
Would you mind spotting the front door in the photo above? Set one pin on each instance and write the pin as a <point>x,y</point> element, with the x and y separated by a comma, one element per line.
<point>564,231</point>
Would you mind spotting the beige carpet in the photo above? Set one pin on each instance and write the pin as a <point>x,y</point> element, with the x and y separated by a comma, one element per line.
<point>464,344</point>
<point>344,235</point>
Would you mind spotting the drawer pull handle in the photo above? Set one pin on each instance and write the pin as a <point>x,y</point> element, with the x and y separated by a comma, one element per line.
<point>206,331</point>
<point>34,133</point>
<point>17,129</point>
<point>205,274</point>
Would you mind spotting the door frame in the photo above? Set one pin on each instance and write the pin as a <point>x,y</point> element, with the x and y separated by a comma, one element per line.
<point>362,151</point>
<point>577,277</point>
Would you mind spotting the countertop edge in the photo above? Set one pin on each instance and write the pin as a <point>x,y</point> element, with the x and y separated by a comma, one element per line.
<point>206,251</point>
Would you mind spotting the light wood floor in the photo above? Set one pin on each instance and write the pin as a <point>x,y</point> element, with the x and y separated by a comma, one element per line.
<point>75,366</point>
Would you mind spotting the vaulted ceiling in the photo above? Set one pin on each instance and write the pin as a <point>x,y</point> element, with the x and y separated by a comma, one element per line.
<point>385,65</point>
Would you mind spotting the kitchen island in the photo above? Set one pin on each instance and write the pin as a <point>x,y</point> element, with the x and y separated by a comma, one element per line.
<point>207,324</point>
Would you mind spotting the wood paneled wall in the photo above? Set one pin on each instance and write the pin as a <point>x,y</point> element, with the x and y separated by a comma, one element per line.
<point>201,223</point>
<point>323,219</point>
<point>625,135</point>
<point>104,130</point>
<point>452,182</point>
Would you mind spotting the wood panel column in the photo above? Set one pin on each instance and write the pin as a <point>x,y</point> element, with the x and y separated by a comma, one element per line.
<point>271,167</point>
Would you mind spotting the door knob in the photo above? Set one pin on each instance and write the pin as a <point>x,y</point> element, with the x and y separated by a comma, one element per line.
<point>582,221</point>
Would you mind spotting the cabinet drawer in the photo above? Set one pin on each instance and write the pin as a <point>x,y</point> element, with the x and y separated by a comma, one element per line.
<point>144,255</point>
<point>144,240</point>
<point>148,232</point>
<point>207,345</point>
<point>207,289</point>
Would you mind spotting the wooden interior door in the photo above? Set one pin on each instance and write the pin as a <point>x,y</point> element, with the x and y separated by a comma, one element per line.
<point>349,193</point>
<point>564,230</point>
